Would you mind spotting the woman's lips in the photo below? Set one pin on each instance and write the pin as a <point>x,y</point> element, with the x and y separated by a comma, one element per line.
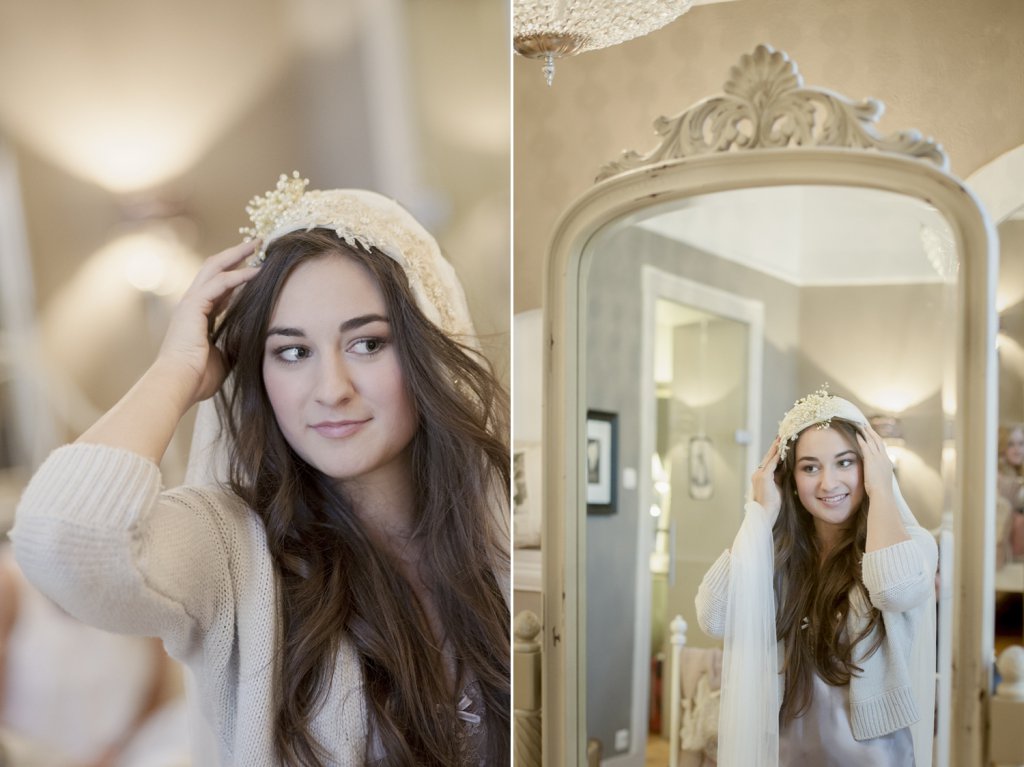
<point>834,500</point>
<point>338,429</point>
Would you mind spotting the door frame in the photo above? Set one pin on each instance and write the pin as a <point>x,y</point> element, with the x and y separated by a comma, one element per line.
<point>659,284</point>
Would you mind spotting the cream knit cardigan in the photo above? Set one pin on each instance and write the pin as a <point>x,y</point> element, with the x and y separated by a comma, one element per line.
<point>95,533</point>
<point>899,579</point>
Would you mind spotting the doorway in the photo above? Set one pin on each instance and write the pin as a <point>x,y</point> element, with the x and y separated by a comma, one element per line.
<point>702,418</point>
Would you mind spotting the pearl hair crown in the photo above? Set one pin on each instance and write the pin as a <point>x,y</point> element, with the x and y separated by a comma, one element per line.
<point>816,409</point>
<point>367,219</point>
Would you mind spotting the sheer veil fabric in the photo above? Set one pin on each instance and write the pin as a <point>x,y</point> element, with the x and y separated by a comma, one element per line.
<point>748,724</point>
<point>748,732</point>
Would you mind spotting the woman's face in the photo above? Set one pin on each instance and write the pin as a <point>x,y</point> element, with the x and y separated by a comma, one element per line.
<point>1014,453</point>
<point>829,481</point>
<point>333,376</point>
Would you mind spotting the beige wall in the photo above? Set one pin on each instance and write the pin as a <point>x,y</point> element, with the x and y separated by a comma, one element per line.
<point>949,69</point>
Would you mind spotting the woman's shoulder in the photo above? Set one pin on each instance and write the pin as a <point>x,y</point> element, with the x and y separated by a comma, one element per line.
<point>217,501</point>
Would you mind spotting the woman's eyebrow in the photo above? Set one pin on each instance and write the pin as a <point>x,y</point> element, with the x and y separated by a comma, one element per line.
<point>363,319</point>
<point>837,455</point>
<point>347,325</point>
<point>291,332</point>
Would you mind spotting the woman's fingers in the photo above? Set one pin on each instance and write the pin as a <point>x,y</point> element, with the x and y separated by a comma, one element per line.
<point>228,258</point>
<point>221,286</point>
<point>878,467</point>
<point>870,439</point>
<point>211,292</point>
<point>771,458</point>
<point>187,337</point>
<point>765,487</point>
<point>222,263</point>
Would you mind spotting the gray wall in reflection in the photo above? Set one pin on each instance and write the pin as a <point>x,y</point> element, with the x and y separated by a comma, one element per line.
<point>614,316</point>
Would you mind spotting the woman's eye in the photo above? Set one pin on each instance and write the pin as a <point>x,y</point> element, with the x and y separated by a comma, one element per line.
<point>292,353</point>
<point>368,345</point>
<point>810,469</point>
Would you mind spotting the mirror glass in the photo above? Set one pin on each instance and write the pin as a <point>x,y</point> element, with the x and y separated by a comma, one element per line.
<point>1009,559</point>
<point>704,319</point>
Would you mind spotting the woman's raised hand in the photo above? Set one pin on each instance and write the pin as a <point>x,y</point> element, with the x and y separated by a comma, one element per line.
<point>186,346</point>
<point>187,369</point>
<point>766,488</point>
<point>878,469</point>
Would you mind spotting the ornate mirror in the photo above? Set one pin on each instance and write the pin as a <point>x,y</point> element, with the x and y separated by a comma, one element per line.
<point>773,241</point>
<point>998,188</point>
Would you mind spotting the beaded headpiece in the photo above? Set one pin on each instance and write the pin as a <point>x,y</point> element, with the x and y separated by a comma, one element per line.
<point>371,220</point>
<point>817,408</point>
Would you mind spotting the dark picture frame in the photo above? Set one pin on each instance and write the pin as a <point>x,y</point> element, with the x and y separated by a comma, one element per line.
<point>601,457</point>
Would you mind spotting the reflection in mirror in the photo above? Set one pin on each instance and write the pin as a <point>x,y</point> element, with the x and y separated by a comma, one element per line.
<point>704,320</point>
<point>1009,559</point>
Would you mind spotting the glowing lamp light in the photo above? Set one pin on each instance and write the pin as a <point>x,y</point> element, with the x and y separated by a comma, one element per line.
<point>152,260</point>
<point>146,270</point>
<point>101,100</point>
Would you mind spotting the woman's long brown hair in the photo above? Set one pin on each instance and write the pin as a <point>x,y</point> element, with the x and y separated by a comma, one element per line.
<point>334,581</point>
<point>806,587</point>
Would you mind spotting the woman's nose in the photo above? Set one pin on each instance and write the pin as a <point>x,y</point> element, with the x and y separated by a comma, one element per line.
<point>827,478</point>
<point>335,384</point>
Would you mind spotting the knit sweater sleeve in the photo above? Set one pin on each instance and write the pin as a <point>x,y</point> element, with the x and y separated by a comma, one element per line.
<point>902,576</point>
<point>94,533</point>
<point>713,597</point>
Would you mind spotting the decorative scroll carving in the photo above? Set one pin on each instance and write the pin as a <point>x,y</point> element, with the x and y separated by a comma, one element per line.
<point>766,105</point>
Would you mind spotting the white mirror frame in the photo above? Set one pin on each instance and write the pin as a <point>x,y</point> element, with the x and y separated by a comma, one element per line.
<point>671,178</point>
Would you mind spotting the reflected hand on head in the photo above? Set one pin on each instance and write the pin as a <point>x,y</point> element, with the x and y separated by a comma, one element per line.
<point>186,346</point>
<point>766,489</point>
<point>878,469</point>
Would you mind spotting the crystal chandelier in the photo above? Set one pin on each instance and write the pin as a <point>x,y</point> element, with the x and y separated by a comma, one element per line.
<point>551,29</point>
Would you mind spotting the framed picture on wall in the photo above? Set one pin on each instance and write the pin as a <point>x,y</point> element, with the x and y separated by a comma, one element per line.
<point>526,493</point>
<point>601,457</point>
<point>702,478</point>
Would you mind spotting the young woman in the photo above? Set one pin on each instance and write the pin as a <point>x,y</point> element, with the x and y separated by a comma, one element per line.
<point>340,598</point>
<point>826,602</point>
<point>1010,511</point>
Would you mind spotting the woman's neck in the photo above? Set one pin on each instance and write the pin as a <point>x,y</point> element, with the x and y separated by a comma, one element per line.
<point>827,537</point>
<point>385,503</point>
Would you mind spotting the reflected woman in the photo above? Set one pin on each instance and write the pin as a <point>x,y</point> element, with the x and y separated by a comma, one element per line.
<point>1010,504</point>
<point>339,597</point>
<point>826,602</point>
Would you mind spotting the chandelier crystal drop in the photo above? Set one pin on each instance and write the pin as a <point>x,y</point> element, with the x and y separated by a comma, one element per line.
<point>551,29</point>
